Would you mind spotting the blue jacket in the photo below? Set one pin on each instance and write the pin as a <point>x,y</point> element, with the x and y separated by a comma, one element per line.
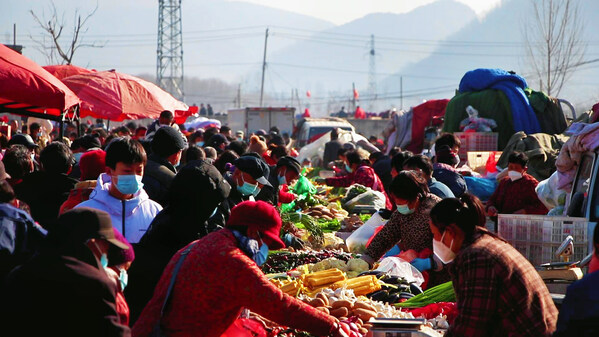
<point>579,313</point>
<point>138,211</point>
<point>20,238</point>
<point>439,189</point>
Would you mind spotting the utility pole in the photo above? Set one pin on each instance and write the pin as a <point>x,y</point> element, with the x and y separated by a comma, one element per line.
<point>239,96</point>
<point>353,93</point>
<point>169,65</point>
<point>400,92</point>
<point>372,74</point>
<point>263,68</point>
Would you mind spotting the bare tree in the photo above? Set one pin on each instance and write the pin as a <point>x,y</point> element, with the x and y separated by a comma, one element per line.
<point>51,43</point>
<point>554,42</point>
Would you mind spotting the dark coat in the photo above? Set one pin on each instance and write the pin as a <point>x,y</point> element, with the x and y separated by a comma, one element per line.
<point>382,167</point>
<point>60,293</point>
<point>158,176</point>
<point>330,151</point>
<point>45,192</point>
<point>452,179</point>
<point>20,238</point>
<point>270,194</point>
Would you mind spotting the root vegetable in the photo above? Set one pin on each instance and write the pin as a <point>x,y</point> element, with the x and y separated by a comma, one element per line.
<point>324,298</point>
<point>317,302</point>
<point>364,314</point>
<point>341,303</point>
<point>323,309</point>
<point>340,312</point>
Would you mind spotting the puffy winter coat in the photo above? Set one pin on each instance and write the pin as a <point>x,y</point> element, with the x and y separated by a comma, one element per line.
<point>130,217</point>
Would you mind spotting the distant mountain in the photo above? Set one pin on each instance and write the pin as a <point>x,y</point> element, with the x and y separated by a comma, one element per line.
<point>496,42</point>
<point>334,58</point>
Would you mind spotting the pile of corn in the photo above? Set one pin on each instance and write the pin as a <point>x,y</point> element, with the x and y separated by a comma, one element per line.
<point>361,285</point>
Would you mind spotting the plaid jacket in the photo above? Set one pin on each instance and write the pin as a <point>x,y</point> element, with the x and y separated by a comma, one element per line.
<point>499,293</point>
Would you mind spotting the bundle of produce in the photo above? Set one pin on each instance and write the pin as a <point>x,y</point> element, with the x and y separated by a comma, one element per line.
<point>434,310</point>
<point>289,286</point>
<point>441,293</point>
<point>315,237</point>
<point>283,261</point>
<point>353,267</point>
<point>394,289</point>
<point>353,191</point>
<point>322,279</point>
<point>327,213</point>
<point>361,285</point>
<point>351,223</point>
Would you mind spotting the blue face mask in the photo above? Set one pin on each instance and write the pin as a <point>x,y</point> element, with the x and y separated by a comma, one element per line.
<point>103,258</point>
<point>348,169</point>
<point>200,144</point>
<point>248,189</point>
<point>77,156</point>
<point>404,209</point>
<point>123,278</point>
<point>282,180</point>
<point>262,255</point>
<point>129,184</point>
<point>257,252</point>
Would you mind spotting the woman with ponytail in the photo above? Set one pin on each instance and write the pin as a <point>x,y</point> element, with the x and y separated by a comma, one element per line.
<point>499,293</point>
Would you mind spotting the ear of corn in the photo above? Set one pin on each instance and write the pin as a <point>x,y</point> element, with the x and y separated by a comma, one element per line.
<point>289,287</point>
<point>323,278</point>
<point>360,285</point>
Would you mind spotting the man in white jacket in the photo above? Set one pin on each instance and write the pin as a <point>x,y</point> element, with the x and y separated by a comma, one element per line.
<point>120,193</point>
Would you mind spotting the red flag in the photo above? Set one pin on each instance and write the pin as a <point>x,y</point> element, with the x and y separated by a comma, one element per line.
<point>356,94</point>
<point>306,113</point>
<point>308,93</point>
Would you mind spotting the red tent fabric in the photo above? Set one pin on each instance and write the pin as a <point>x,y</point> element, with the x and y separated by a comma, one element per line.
<point>423,114</point>
<point>117,96</point>
<point>61,71</point>
<point>27,87</point>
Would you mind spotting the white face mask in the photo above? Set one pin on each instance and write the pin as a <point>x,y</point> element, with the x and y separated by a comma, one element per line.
<point>514,175</point>
<point>444,253</point>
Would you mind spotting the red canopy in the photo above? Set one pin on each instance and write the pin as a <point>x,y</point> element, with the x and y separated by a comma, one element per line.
<point>423,115</point>
<point>117,96</point>
<point>26,88</point>
<point>61,71</point>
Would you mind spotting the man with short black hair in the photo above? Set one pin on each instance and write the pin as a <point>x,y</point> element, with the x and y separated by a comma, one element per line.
<point>34,131</point>
<point>424,165</point>
<point>18,163</point>
<point>226,131</point>
<point>120,191</point>
<point>516,193</point>
<point>167,118</point>
<point>332,147</point>
<point>65,286</point>
<point>381,163</point>
<point>167,147</point>
<point>45,191</point>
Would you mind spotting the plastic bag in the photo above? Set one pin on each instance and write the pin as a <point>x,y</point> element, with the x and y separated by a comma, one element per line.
<point>398,267</point>
<point>303,186</point>
<point>368,198</point>
<point>549,194</point>
<point>357,241</point>
<point>481,187</point>
<point>491,165</point>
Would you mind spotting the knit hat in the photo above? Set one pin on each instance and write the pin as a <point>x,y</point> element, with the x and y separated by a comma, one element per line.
<point>120,256</point>
<point>92,164</point>
<point>216,140</point>
<point>167,141</point>
<point>259,216</point>
<point>253,166</point>
<point>256,145</point>
<point>291,163</point>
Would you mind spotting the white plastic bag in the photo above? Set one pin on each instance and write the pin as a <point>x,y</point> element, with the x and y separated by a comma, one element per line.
<point>368,198</point>
<point>356,242</point>
<point>397,267</point>
<point>548,192</point>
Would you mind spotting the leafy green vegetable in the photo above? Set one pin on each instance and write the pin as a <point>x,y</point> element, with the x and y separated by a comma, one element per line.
<point>354,191</point>
<point>365,217</point>
<point>308,222</point>
<point>441,293</point>
<point>329,226</point>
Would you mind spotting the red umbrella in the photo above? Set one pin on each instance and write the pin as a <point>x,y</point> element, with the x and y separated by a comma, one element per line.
<point>117,96</point>
<point>26,88</point>
<point>61,71</point>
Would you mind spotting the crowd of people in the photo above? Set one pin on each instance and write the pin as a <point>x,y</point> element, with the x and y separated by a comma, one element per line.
<point>145,230</point>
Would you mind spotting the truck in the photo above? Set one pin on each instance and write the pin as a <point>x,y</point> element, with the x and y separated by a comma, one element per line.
<point>252,119</point>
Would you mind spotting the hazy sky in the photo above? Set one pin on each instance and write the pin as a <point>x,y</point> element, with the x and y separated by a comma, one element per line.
<point>342,11</point>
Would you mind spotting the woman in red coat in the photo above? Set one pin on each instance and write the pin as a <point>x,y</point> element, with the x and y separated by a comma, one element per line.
<point>220,277</point>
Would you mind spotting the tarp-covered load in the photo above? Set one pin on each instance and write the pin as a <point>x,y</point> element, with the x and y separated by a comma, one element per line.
<point>504,97</point>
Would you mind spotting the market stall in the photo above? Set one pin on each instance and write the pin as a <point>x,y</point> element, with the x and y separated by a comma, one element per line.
<point>320,268</point>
